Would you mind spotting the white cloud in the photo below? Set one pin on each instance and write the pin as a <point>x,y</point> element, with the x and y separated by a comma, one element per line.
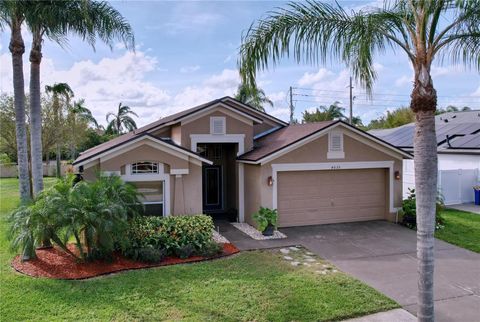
<point>189,69</point>
<point>104,84</point>
<point>226,79</point>
<point>404,80</point>
<point>476,93</point>
<point>312,78</point>
<point>440,71</point>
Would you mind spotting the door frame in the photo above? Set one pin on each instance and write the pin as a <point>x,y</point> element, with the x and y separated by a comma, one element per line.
<point>332,166</point>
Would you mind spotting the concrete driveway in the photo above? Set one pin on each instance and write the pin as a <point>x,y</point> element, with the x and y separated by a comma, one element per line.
<point>383,255</point>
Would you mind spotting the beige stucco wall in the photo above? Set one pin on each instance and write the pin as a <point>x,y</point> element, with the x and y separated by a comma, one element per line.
<point>202,126</point>
<point>315,152</point>
<point>188,198</point>
<point>143,153</point>
<point>253,186</point>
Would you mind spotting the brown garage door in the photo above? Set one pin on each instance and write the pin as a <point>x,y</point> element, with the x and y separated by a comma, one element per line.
<point>330,196</point>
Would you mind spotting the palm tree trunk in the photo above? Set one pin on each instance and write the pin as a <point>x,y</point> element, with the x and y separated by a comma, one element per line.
<point>17,48</point>
<point>424,101</point>
<point>36,115</point>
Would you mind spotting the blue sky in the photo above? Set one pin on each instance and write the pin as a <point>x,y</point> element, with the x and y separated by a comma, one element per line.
<point>186,55</point>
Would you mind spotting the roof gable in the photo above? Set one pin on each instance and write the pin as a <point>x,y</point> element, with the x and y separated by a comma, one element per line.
<point>289,138</point>
<point>125,143</point>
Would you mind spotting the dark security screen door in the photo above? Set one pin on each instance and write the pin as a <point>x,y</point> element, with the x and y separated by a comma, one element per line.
<point>212,187</point>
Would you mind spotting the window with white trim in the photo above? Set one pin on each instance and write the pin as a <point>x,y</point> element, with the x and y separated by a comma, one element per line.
<point>217,125</point>
<point>144,167</point>
<point>335,146</point>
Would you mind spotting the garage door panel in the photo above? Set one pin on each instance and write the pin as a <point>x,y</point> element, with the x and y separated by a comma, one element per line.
<point>321,197</point>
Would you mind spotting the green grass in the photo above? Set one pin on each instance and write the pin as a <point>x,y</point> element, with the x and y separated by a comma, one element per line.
<point>258,286</point>
<point>461,229</point>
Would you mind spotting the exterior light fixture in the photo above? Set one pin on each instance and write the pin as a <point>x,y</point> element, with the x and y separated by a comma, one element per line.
<point>270,181</point>
<point>397,175</point>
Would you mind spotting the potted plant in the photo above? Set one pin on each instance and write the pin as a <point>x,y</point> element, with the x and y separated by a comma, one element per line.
<point>266,220</point>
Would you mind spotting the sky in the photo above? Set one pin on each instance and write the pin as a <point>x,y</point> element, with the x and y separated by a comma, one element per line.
<point>186,54</point>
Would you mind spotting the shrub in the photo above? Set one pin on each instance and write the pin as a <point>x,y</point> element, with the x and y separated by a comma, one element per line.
<point>149,254</point>
<point>264,217</point>
<point>170,233</point>
<point>94,214</point>
<point>410,211</point>
<point>185,251</point>
<point>211,249</point>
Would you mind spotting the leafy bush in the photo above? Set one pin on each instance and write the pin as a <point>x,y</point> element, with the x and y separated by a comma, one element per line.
<point>409,210</point>
<point>264,217</point>
<point>185,251</point>
<point>173,234</point>
<point>211,249</point>
<point>94,214</point>
<point>149,254</point>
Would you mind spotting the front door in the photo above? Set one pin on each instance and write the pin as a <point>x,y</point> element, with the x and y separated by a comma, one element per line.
<point>212,188</point>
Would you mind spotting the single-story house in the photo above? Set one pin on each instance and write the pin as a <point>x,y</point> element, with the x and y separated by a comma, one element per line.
<point>227,157</point>
<point>458,148</point>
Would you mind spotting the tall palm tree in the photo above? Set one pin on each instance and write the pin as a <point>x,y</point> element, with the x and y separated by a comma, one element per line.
<point>424,30</point>
<point>58,91</point>
<point>54,20</point>
<point>122,120</point>
<point>253,96</point>
<point>78,112</point>
<point>12,15</point>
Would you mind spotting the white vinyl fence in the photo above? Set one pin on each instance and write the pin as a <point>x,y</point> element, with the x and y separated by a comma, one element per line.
<point>456,186</point>
<point>10,170</point>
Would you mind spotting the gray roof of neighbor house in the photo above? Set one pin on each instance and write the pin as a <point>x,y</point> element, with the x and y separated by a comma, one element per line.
<point>163,121</point>
<point>454,130</point>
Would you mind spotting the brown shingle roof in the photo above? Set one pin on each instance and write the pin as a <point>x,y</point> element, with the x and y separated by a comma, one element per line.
<point>282,138</point>
<point>171,118</point>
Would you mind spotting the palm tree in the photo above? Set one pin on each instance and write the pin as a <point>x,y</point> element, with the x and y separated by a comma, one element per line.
<point>323,113</point>
<point>78,112</point>
<point>423,30</point>
<point>121,120</point>
<point>54,20</point>
<point>252,96</point>
<point>59,90</point>
<point>12,15</point>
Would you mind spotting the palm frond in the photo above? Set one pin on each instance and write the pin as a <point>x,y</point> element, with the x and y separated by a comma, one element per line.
<point>313,31</point>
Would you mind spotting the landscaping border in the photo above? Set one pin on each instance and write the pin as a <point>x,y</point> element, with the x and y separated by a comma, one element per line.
<point>37,267</point>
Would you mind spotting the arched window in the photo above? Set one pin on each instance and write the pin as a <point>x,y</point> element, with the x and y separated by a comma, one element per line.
<point>144,167</point>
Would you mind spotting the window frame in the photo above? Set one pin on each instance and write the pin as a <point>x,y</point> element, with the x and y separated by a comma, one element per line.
<point>155,167</point>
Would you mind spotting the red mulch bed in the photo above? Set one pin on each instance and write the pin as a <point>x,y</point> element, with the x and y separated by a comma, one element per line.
<point>54,263</point>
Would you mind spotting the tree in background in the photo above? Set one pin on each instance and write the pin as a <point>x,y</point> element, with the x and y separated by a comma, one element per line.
<point>253,96</point>
<point>316,32</point>
<point>8,139</point>
<point>78,120</point>
<point>452,108</point>
<point>61,95</point>
<point>121,120</point>
<point>323,113</point>
<point>12,14</point>
<point>333,112</point>
<point>395,118</point>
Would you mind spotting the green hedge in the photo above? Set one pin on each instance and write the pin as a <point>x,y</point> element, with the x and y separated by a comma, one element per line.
<point>172,234</point>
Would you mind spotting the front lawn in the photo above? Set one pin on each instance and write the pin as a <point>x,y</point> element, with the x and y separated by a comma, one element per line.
<point>259,286</point>
<point>461,229</point>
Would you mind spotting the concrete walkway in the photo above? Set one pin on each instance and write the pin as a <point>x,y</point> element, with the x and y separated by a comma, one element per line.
<point>383,255</point>
<point>397,315</point>
<point>470,207</point>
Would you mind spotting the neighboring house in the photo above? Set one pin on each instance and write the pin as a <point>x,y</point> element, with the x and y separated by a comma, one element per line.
<point>226,157</point>
<point>458,140</point>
